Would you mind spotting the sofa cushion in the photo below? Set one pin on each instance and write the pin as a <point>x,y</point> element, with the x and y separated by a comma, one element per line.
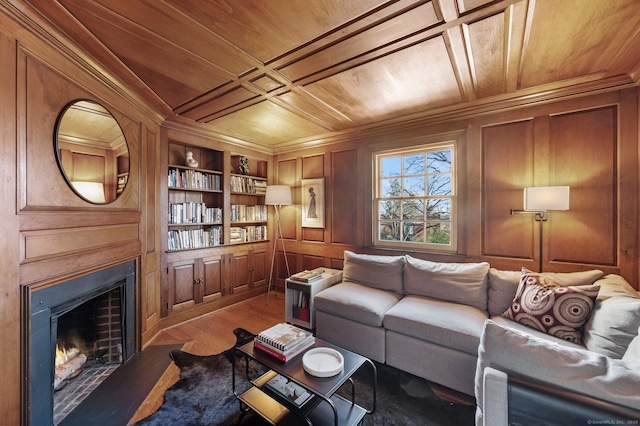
<point>383,272</point>
<point>502,290</point>
<point>356,302</point>
<point>448,324</point>
<point>633,351</point>
<point>614,322</point>
<point>578,370</point>
<point>506,322</point>
<point>570,278</point>
<point>464,283</point>
<point>560,311</point>
<point>614,285</point>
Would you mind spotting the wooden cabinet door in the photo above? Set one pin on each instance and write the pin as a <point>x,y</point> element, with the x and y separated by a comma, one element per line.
<point>182,288</point>
<point>259,268</point>
<point>240,272</point>
<point>211,278</point>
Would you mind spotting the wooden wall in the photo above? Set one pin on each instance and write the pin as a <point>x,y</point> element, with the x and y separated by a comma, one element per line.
<point>589,143</point>
<point>48,233</point>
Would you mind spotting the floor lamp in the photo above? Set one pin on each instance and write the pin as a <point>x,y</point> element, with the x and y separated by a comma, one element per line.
<point>277,196</point>
<point>539,200</point>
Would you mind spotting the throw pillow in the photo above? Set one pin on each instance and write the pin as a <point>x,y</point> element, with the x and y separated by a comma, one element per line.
<point>614,322</point>
<point>383,272</point>
<point>557,310</point>
<point>464,283</point>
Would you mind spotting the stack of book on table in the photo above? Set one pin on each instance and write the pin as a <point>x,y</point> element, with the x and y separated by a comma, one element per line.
<point>284,341</point>
<point>307,276</point>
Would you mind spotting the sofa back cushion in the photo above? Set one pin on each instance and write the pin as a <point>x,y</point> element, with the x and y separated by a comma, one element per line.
<point>614,285</point>
<point>633,351</point>
<point>612,326</point>
<point>382,272</point>
<point>464,283</point>
<point>502,290</point>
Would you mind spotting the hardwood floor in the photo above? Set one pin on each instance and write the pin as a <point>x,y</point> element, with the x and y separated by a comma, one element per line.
<point>211,334</point>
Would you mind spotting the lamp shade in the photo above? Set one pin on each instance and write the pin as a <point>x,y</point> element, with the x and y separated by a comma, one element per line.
<point>278,195</point>
<point>546,198</point>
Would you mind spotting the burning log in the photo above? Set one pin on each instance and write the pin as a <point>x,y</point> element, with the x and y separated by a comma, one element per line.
<point>68,362</point>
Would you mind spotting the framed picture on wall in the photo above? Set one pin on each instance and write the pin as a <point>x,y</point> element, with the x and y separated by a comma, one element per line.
<point>313,203</point>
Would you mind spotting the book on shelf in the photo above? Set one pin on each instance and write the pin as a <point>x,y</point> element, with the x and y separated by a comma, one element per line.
<point>283,336</point>
<point>288,355</point>
<point>300,305</point>
<point>290,390</point>
<point>307,276</point>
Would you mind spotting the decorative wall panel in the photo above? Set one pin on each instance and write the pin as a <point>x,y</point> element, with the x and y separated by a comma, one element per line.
<point>587,233</point>
<point>343,196</point>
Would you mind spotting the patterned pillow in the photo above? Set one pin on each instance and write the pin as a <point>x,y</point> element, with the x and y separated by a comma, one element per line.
<point>559,311</point>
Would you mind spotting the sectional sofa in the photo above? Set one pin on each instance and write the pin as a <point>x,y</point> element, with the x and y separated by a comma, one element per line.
<point>449,322</point>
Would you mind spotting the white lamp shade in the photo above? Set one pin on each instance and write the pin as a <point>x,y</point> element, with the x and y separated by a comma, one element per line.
<point>278,195</point>
<point>546,198</point>
<point>92,191</point>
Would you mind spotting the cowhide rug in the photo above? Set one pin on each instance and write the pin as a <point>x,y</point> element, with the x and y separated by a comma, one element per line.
<point>203,396</point>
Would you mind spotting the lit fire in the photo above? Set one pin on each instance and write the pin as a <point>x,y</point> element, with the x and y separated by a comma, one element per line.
<point>69,360</point>
<point>64,354</point>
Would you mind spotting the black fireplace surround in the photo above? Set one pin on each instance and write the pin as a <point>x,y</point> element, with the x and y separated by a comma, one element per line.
<point>46,305</point>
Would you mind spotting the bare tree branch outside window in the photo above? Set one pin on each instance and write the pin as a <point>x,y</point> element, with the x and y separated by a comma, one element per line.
<point>415,192</point>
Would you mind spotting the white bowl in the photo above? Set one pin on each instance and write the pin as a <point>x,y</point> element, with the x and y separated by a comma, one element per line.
<point>322,362</point>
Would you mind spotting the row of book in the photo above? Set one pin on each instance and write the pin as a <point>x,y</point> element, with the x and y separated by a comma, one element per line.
<point>300,305</point>
<point>248,185</point>
<point>284,341</point>
<point>180,213</point>
<point>244,213</point>
<point>247,233</point>
<point>185,239</point>
<point>193,179</point>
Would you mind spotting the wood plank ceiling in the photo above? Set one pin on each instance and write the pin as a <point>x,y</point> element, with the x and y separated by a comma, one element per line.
<point>279,74</point>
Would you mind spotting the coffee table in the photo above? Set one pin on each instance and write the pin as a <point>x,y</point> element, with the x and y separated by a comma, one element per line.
<point>324,408</point>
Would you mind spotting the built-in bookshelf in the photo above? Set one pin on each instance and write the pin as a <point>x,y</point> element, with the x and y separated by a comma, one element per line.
<point>211,257</point>
<point>247,211</point>
<point>196,198</point>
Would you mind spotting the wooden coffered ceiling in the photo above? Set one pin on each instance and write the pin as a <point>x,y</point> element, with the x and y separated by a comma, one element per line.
<point>279,74</point>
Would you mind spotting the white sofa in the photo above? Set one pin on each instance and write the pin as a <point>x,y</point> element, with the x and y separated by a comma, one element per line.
<point>428,318</point>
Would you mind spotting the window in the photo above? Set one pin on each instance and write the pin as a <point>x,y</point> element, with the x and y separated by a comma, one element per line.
<point>415,198</point>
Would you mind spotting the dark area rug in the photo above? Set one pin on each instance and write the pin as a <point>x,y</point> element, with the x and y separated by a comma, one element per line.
<point>203,395</point>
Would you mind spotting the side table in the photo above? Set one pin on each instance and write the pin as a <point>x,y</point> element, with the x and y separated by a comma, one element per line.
<point>299,307</point>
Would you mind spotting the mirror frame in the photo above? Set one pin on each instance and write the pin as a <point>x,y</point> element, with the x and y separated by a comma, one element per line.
<point>110,190</point>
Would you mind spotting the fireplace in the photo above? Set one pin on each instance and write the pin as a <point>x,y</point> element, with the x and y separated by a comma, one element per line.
<point>92,317</point>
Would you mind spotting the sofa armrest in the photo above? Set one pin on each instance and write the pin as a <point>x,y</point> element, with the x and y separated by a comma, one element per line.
<point>577,370</point>
<point>512,400</point>
<point>496,407</point>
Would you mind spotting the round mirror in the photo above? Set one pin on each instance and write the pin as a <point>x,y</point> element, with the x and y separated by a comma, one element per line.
<point>92,151</point>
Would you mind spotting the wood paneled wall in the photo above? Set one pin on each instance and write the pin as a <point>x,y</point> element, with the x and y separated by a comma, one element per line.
<point>49,234</point>
<point>589,143</point>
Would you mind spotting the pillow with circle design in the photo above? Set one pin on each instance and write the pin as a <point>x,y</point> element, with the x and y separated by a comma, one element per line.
<point>557,310</point>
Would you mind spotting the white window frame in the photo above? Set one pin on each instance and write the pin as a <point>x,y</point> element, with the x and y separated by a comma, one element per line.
<point>377,168</point>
